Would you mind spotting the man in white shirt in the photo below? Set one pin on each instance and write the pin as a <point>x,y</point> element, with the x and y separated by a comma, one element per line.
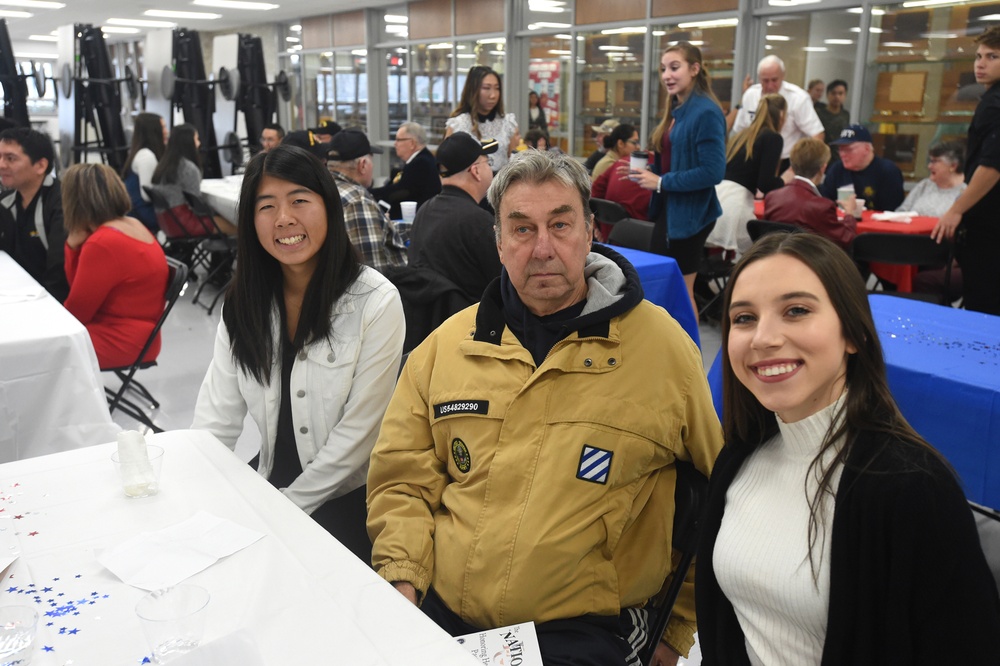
<point>801,121</point>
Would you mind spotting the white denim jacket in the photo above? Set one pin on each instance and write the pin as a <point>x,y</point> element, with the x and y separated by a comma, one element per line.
<point>339,391</point>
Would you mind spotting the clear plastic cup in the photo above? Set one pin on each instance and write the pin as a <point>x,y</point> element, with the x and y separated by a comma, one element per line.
<point>409,210</point>
<point>173,620</point>
<point>136,482</point>
<point>17,634</point>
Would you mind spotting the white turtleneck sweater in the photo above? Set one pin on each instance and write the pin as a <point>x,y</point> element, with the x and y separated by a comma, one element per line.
<point>761,556</point>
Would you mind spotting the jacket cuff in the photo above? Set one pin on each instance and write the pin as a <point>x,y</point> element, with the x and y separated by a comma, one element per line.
<point>679,636</point>
<point>409,572</point>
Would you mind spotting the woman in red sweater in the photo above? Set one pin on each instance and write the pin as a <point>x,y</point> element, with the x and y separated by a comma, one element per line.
<point>116,270</point>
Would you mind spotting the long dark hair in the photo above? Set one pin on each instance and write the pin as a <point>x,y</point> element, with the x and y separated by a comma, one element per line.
<point>179,146</point>
<point>146,133</point>
<point>702,86</point>
<point>469,102</point>
<point>869,405</point>
<point>256,293</point>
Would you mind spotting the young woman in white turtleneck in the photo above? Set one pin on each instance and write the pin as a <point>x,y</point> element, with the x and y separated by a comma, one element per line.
<point>834,534</point>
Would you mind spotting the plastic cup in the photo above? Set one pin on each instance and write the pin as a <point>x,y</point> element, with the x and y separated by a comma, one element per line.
<point>639,160</point>
<point>17,634</point>
<point>409,210</point>
<point>173,620</point>
<point>844,192</point>
<point>859,207</point>
<point>134,483</point>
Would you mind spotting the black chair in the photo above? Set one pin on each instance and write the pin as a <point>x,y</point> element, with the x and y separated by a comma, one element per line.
<point>759,228</point>
<point>689,503</point>
<point>988,526</point>
<point>220,248</point>
<point>607,212</point>
<point>907,249</point>
<point>713,270</point>
<point>428,299</point>
<point>177,277</point>
<point>179,242</point>
<point>632,233</point>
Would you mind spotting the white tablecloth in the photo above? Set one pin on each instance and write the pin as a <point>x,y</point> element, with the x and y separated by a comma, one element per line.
<point>51,394</point>
<point>300,595</point>
<point>222,194</point>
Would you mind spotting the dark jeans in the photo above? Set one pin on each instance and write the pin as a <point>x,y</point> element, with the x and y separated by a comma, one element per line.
<point>978,253</point>
<point>581,641</point>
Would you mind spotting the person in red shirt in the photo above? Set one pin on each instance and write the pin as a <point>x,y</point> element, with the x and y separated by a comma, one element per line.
<point>116,270</point>
<point>611,185</point>
<point>800,202</point>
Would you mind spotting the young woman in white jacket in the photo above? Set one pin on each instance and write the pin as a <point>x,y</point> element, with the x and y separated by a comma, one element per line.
<point>309,343</point>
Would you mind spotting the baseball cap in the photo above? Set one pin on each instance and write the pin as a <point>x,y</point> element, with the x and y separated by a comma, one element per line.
<point>303,139</point>
<point>351,144</point>
<point>852,134</point>
<point>606,127</point>
<point>460,151</point>
<point>326,127</point>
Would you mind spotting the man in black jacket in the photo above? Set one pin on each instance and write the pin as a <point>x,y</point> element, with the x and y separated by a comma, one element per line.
<point>419,179</point>
<point>451,234</point>
<point>31,219</point>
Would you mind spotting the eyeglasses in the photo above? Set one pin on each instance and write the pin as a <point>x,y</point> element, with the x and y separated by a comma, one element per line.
<point>634,142</point>
<point>482,160</point>
<point>402,138</point>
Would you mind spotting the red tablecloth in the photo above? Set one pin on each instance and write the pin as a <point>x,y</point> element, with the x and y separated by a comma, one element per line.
<point>901,276</point>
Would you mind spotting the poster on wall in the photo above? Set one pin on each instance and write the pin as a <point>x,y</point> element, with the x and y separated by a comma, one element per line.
<point>543,78</point>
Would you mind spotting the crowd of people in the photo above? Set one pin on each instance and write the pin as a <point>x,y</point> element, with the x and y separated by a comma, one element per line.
<point>522,464</point>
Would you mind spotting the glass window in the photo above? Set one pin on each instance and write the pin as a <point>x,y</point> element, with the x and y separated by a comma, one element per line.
<point>919,84</point>
<point>817,45</point>
<point>549,60</point>
<point>433,99</point>
<point>397,68</point>
<point>548,14</point>
<point>611,78</point>
<point>351,88</point>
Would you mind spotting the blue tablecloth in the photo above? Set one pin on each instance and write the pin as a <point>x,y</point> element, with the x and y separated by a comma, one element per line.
<point>944,371</point>
<point>664,286</point>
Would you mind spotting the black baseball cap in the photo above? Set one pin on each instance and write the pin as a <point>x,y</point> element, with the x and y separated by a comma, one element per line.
<point>326,127</point>
<point>460,151</point>
<point>351,144</point>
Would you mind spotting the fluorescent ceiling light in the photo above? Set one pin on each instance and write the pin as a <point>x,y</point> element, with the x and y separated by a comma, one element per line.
<point>659,33</point>
<point>169,13</point>
<point>778,38</point>
<point>838,41</point>
<point>874,31</point>
<point>858,10</point>
<point>613,48</point>
<point>439,46</point>
<point>989,17</point>
<point>118,30</point>
<point>717,23</point>
<point>950,35</point>
<point>396,28</point>
<point>327,54</point>
<point>295,28</point>
<point>625,31</point>
<point>43,38</point>
<point>395,18</point>
<point>36,56</point>
<point>548,6</point>
<point>790,3</point>
<point>32,4</point>
<point>928,3</point>
<point>560,52</point>
<point>235,4</point>
<point>544,24</point>
<point>492,40</point>
<point>815,49</point>
<point>140,23</point>
<point>359,52</point>
<point>294,40</point>
<point>899,45</point>
<point>11,13</point>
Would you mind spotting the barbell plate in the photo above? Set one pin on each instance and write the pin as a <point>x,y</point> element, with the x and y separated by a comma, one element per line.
<point>66,80</point>
<point>229,83</point>
<point>167,82</point>
<point>282,86</point>
<point>131,84</point>
<point>39,76</point>
<point>233,149</point>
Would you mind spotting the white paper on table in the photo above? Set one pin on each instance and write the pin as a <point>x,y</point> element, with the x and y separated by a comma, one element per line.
<point>901,216</point>
<point>10,547</point>
<point>504,645</point>
<point>161,559</point>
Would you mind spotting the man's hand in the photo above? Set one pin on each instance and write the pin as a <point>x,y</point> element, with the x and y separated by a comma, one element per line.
<point>407,590</point>
<point>664,655</point>
<point>945,228</point>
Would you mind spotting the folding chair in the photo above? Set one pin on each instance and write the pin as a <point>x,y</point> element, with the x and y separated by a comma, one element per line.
<point>632,233</point>
<point>220,247</point>
<point>428,299</point>
<point>689,501</point>
<point>177,276</point>
<point>714,269</point>
<point>907,249</point>
<point>180,243</point>
<point>606,214</point>
<point>760,228</point>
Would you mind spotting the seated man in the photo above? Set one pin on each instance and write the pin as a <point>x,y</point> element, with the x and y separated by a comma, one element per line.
<point>271,136</point>
<point>350,162</point>
<point>800,202</point>
<point>451,233</point>
<point>525,468</point>
<point>31,218</point>
<point>875,179</point>
<point>419,179</point>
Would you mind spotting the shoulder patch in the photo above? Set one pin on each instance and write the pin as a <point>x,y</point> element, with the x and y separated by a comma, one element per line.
<point>461,407</point>
<point>595,464</point>
<point>460,454</point>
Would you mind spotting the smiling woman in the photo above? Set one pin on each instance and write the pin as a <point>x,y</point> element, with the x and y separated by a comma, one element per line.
<point>309,344</point>
<point>833,530</point>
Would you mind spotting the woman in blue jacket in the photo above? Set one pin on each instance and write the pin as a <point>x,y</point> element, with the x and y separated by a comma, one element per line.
<point>691,145</point>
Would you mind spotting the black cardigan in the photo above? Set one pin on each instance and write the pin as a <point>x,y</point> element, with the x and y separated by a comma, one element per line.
<point>908,580</point>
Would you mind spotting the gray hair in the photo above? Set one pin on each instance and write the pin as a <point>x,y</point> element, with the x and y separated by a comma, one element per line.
<point>769,60</point>
<point>347,166</point>
<point>416,132</point>
<point>538,167</point>
<point>952,151</point>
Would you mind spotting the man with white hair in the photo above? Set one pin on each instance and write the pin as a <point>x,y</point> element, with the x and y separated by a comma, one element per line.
<point>419,179</point>
<point>801,121</point>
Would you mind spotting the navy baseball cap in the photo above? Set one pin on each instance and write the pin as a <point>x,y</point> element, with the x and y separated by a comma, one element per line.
<point>852,134</point>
